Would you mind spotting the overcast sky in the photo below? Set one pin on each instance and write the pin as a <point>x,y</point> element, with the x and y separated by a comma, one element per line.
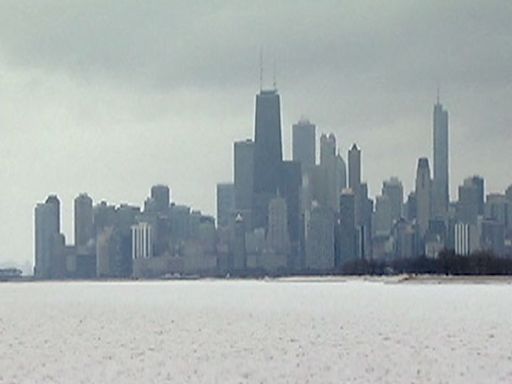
<point>110,97</point>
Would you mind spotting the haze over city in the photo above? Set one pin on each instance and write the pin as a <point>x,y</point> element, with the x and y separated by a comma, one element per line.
<point>95,98</point>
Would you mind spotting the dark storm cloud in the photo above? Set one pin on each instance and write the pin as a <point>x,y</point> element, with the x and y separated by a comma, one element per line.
<point>100,92</point>
<point>190,43</point>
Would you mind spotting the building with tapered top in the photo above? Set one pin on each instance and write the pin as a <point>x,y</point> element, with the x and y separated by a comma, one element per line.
<point>440,181</point>
<point>268,156</point>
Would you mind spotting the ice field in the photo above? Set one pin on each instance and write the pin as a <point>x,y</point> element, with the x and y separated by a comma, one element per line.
<point>255,332</point>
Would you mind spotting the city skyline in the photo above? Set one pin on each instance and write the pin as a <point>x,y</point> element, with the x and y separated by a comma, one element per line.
<point>76,119</point>
<point>280,216</point>
<point>71,239</point>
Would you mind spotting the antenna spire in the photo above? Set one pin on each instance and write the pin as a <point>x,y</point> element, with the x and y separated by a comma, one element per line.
<point>438,91</point>
<point>261,69</point>
<point>274,81</point>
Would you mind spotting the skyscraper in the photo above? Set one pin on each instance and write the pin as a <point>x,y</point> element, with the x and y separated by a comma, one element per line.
<point>320,239</point>
<point>480,186</point>
<point>394,190</point>
<point>364,211</point>
<point>290,188</point>
<point>304,144</point>
<point>423,193</point>
<point>341,174</point>
<point>46,231</point>
<point>278,238</point>
<point>328,164</point>
<point>440,183</point>
<point>354,168</point>
<point>54,207</point>
<point>238,259</point>
<point>470,201</point>
<point>84,225</point>
<point>346,231</point>
<point>244,177</point>
<point>268,156</point>
<point>225,203</point>
<point>160,195</point>
<point>383,219</point>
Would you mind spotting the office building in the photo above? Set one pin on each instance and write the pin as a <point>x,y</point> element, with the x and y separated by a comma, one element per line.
<point>440,182</point>
<point>470,201</point>
<point>320,255</point>
<point>278,238</point>
<point>243,178</point>
<point>354,168</point>
<point>346,228</point>
<point>304,144</point>
<point>394,190</point>
<point>268,155</point>
<point>225,204</point>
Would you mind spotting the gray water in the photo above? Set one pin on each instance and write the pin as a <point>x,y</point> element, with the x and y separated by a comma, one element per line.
<point>255,332</point>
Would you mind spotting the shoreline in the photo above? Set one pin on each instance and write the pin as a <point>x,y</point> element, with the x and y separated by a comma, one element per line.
<point>393,279</point>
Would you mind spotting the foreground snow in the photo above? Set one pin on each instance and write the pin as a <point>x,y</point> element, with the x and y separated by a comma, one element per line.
<point>348,331</point>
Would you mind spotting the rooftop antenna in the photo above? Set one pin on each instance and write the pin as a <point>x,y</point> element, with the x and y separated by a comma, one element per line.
<point>438,91</point>
<point>261,69</point>
<point>274,81</point>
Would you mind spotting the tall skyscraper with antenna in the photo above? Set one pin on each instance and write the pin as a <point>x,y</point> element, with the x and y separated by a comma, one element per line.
<point>268,156</point>
<point>440,184</point>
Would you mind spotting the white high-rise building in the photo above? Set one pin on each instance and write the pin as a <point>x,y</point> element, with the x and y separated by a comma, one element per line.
<point>142,241</point>
<point>466,239</point>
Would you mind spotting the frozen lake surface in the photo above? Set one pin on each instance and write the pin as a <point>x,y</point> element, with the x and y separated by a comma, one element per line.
<point>255,332</point>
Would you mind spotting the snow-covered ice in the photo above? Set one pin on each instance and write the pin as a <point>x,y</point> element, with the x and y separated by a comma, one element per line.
<point>255,332</point>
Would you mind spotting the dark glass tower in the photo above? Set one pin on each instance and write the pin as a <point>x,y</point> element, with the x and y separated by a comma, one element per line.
<point>268,156</point>
<point>440,187</point>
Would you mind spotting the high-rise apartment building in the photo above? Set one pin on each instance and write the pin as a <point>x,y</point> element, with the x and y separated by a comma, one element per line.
<point>84,224</point>
<point>46,231</point>
<point>142,241</point>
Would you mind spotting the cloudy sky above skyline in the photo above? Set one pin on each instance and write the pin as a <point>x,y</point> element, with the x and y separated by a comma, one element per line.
<point>111,97</point>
